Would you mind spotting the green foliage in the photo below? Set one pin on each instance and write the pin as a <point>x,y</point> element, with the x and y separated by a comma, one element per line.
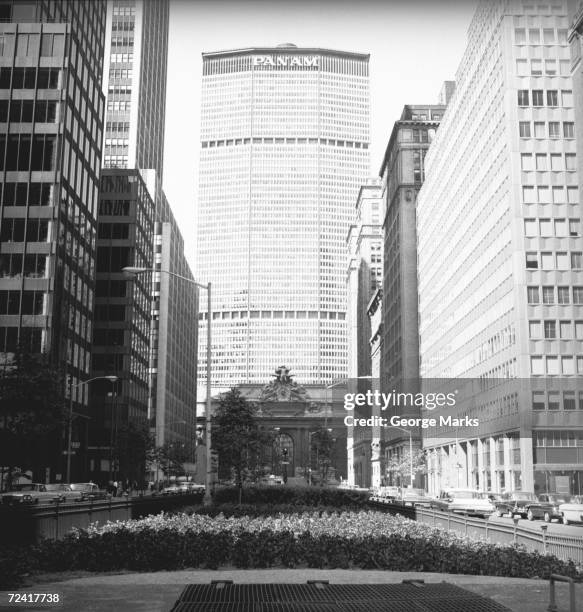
<point>321,447</point>
<point>314,539</point>
<point>237,436</point>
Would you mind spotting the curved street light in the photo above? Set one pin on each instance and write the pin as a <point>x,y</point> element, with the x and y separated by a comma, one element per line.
<point>112,380</point>
<point>132,271</point>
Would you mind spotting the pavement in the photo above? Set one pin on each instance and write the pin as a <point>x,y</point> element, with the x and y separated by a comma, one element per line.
<point>157,592</point>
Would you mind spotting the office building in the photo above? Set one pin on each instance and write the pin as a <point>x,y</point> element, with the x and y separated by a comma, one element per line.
<point>51,122</point>
<point>363,279</point>
<point>174,337</point>
<point>121,337</point>
<point>403,173</point>
<point>284,152</point>
<point>500,260</point>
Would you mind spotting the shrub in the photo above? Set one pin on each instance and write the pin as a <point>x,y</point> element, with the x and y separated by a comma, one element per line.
<point>297,496</point>
<point>314,539</point>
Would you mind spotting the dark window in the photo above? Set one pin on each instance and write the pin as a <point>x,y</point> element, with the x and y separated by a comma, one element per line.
<point>537,97</point>
<point>552,97</point>
<point>3,111</point>
<point>523,97</point>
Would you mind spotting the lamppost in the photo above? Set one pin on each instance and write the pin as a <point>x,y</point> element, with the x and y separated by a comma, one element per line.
<point>112,380</point>
<point>134,271</point>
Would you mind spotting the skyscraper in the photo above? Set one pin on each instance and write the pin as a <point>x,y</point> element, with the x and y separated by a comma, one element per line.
<point>284,151</point>
<point>51,122</point>
<point>500,263</point>
<point>147,327</point>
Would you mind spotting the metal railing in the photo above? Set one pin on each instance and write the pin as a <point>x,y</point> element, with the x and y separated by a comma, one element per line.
<point>564,547</point>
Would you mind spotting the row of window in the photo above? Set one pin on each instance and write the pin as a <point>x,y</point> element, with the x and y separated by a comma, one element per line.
<point>27,111</point>
<point>554,261</point>
<point>538,97</point>
<point>275,314</point>
<point>16,265</point>
<point>554,295</point>
<point>244,141</point>
<point>540,130</point>
<point>29,78</point>
<point>545,195</point>
<point>536,67</point>
<point>552,227</point>
<point>23,194</point>
<point>552,330</point>
<point>121,41</point>
<point>121,25</point>
<point>115,161</point>
<point>30,339</point>
<point>32,302</point>
<point>562,437</point>
<point>548,36</point>
<point>118,126</point>
<point>118,107</point>
<point>21,152</point>
<point>555,365</point>
<point>120,90</point>
<point>120,73</point>
<point>540,162</point>
<point>21,230</point>
<point>122,58</point>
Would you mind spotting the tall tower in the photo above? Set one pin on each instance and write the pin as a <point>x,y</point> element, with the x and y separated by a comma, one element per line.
<point>500,258</point>
<point>51,122</point>
<point>284,151</point>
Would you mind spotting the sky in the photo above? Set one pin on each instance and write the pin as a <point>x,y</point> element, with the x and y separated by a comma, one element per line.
<point>414,47</point>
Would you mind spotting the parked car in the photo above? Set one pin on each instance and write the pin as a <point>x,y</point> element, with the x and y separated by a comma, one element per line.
<point>88,491</point>
<point>31,493</point>
<point>551,503</point>
<point>464,501</point>
<point>64,491</point>
<point>172,490</point>
<point>572,511</point>
<point>522,503</point>
<point>194,487</point>
<point>415,497</point>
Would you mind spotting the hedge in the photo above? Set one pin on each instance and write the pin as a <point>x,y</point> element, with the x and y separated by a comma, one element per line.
<point>367,540</point>
<point>299,496</point>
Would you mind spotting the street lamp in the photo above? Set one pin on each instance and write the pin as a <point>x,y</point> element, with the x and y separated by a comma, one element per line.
<point>134,271</point>
<point>112,380</point>
<point>408,431</point>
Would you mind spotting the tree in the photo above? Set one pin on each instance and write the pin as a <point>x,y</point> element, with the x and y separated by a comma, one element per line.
<point>399,465</point>
<point>322,446</point>
<point>170,457</point>
<point>237,436</point>
<point>32,411</point>
<point>133,444</point>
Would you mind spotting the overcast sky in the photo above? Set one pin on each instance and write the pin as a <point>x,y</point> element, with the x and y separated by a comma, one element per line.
<point>414,47</point>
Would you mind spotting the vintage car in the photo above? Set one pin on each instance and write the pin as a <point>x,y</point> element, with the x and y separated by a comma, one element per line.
<point>464,501</point>
<point>522,503</point>
<point>572,511</point>
<point>88,491</point>
<point>415,497</point>
<point>32,493</point>
<point>553,500</point>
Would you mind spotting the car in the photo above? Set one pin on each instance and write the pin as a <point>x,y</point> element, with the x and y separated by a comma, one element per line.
<point>194,487</point>
<point>572,511</point>
<point>172,490</point>
<point>522,503</point>
<point>88,491</point>
<point>551,503</point>
<point>464,501</point>
<point>271,480</point>
<point>64,492</point>
<point>415,497</point>
<point>31,493</point>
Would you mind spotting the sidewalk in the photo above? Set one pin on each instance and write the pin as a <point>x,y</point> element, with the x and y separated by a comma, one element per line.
<point>157,592</point>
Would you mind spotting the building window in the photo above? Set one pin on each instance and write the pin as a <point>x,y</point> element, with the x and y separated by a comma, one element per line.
<point>563,295</point>
<point>552,97</point>
<point>550,328</point>
<point>524,129</point>
<point>548,295</point>
<point>576,261</point>
<point>533,295</point>
<point>577,295</point>
<point>539,129</point>
<point>568,129</point>
<point>538,400</point>
<point>523,97</point>
<point>536,69</point>
<point>537,97</point>
<point>567,97</point>
<point>554,129</point>
<point>532,261</point>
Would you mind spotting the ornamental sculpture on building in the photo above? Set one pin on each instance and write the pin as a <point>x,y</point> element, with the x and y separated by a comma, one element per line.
<point>283,388</point>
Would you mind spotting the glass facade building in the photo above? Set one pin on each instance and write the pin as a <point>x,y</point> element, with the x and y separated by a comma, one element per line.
<point>284,151</point>
<point>51,125</point>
